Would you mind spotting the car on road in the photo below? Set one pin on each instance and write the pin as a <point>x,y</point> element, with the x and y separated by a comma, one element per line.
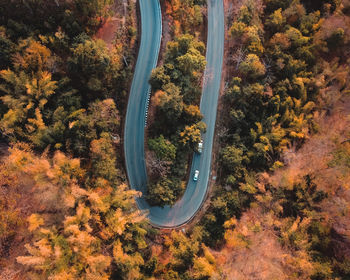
<point>196,175</point>
<point>200,147</point>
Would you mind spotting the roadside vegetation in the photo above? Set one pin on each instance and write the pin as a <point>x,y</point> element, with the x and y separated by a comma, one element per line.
<point>175,129</point>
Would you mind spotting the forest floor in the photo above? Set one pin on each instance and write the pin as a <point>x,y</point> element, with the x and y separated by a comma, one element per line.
<point>107,32</point>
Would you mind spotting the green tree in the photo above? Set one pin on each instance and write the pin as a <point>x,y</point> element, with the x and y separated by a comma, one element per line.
<point>163,148</point>
<point>238,29</point>
<point>81,126</point>
<point>233,159</point>
<point>159,78</point>
<point>103,158</point>
<point>169,108</point>
<point>93,68</point>
<point>296,37</point>
<point>186,54</point>
<point>252,67</point>
<point>191,62</point>
<point>161,192</point>
<point>275,21</point>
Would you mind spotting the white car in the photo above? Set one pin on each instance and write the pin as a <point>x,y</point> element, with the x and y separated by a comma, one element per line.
<point>200,147</point>
<point>196,175</point>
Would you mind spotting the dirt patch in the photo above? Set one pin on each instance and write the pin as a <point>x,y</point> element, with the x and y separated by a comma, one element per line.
<point>107,31</point>
<point>166,32</point>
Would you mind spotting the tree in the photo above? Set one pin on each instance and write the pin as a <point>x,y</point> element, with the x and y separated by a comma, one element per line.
<point>163,148</point>
<point>94,68</point>
<point>245,14</point>
<point>33,57</point>
<point>276,20</point>
<point>272,5</point>
<point>204,267</point>
<point>27,92</point>
<point>232,157</point>
<point>103,158</point>
<point>183,248</point>
<point>191,62</point>
<point>191,135</point>
<point>81,126</point>
<point>92,13</point>
<point>158,168</point>
<point>161,193</point>
<point>192,113</point>
<point>189,257</point>
<point>296,37</point>
<point>51,254</point>
<point>25,98</point>
<point>186,55</point>
<point>252,67</point>
<point>186,14</point>
<point>104,116</point>
<point>159,78</point>
<point>170,107</point>
<point>238,29</point>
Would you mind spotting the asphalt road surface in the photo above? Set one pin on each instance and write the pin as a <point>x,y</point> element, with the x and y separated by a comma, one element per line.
<point>190,203</point>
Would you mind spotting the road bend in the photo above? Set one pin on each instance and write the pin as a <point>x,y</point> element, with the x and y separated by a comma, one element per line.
<point>185,208</point>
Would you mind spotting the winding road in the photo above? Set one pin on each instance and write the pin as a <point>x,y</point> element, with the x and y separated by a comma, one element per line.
<point>151,24</point>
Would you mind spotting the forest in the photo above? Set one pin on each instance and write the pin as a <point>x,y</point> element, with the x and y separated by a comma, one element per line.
<point>279,208</point>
